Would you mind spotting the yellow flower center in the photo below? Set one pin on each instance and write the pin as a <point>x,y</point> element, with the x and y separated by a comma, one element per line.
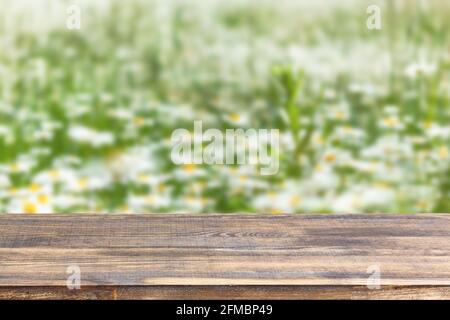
<point>391,121</point>
<point>427,124</point>
<point>43,199</point>
<point>35,187</point>
<point>348,129</point>
<point>189,167</point>
<point>318,140</point>
<point>331,157</point>
<point>139,121</point>
<point>275,211</point>
<point>54,174</point>
<point>340,115</point>
<point>235,116</point>
<point>422,205</point>
<point>443,152</point>
<point>143,177</point>
<point>82,183</point>
<point>295,201</point>
<point>150,200</point>
<point>124,208</point>
<point>190,199</point>
<point>381,184</point>
<point>14,167</point>
<point>372,166</point>
<point>30,208</point>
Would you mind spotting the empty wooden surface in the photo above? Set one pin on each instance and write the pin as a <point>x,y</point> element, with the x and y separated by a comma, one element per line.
<point>225,256</point>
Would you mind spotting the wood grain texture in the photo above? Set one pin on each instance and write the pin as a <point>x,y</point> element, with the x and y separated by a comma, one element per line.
<point>179,256</point>
<point>225,292</point>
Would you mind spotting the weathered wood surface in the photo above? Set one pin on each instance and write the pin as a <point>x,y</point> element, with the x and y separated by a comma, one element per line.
<point>226,292</point>
<point>225,256</point>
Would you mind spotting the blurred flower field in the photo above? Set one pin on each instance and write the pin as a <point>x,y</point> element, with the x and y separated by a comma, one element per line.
<point>86,116</point>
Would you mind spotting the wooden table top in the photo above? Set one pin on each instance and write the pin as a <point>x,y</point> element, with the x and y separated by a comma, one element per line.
<point>225,256</point>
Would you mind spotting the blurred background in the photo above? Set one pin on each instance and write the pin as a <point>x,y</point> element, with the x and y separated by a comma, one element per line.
<point>86,115</point>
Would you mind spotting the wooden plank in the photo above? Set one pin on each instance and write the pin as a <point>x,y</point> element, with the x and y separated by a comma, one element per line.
<point>153,255</point>
<point>225,292</point>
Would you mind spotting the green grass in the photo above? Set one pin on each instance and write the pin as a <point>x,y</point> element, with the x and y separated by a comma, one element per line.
<point>361,132</point>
